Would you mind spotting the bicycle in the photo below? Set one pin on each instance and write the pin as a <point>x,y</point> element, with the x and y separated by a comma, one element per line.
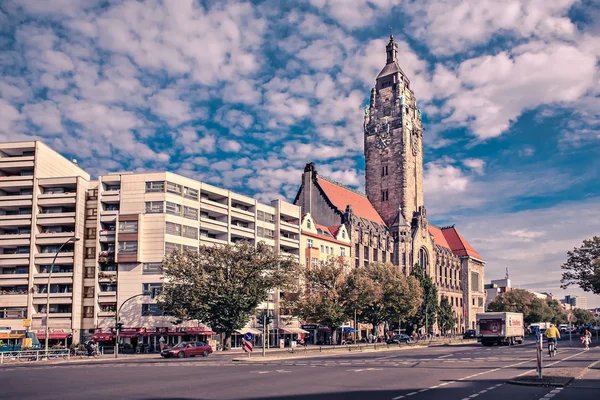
<point>551,347</point>
<point>84,354</point>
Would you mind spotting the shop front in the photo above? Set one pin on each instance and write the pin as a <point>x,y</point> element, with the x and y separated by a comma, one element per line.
<point>291,336</point>
<point>131,340</point>
<point>56,337</point>
<point>311,336</point>
<point>238,336</point>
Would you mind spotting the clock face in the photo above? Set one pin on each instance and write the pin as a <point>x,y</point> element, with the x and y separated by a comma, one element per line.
<point>383,136</point>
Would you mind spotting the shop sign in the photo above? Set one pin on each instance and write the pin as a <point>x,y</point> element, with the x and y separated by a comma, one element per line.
<point>196,329</point>
<point>54,331</point>
<point>309,327</point>
<point>133,330</point>
<point>27,323</point>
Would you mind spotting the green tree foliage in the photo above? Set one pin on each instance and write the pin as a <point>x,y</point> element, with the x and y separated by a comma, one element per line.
<point>223,285</point>
<point>445,318</point>
<point>428,310</point>
<point>323,298</point>
<point>532,308</point>
<point>381,292</point>
<point>583,267</point>
<point>582,317</point>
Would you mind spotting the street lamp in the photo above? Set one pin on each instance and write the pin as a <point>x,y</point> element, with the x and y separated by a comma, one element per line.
<point>117,319</point>
<point>71,240</point>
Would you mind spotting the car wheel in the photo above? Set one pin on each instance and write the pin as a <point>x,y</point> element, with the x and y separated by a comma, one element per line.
<point>205,353</point>
<point>181,354</point>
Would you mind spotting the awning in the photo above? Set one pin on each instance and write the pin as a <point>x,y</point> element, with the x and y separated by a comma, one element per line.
<point>253,331</point>
<point>293,331</point>
<point>53,336</point>
<point>198,330</point>
<point>103,337</point>
<point>129,335</point>
<point>11,336</point>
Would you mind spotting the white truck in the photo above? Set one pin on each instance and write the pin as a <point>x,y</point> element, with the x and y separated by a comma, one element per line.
<point>500,327</point>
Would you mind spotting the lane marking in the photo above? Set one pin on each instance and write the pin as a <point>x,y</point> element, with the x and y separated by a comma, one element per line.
<point>411,393</point>
<point>448,355</point>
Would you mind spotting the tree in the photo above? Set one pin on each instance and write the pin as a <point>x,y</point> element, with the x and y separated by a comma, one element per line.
<point>445,318</point>
<point>559,315</point>
<point>525,302</point>
<point>322,301</point>
<point>427,312</point>
<point>223,285</point>
<point>583,317</point>
<point>381,292</point>
<point>583,267</point>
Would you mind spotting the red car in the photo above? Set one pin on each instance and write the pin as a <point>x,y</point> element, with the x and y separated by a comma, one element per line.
<point>187,349</point>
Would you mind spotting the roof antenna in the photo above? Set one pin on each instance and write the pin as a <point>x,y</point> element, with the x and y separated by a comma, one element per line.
<point>391,35</point>
<point>506,272</point>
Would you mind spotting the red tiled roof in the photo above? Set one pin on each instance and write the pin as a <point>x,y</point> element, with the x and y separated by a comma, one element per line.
<point>341,197</point>
<point>323,228</point>
<point>334,230</point>
<point>458,244</point>
<point>438,236</point>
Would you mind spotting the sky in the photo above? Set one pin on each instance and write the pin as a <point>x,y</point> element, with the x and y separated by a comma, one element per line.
<point>243,94</point>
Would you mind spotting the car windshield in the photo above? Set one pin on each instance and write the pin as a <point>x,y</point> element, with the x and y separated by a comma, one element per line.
<point>180,345</point>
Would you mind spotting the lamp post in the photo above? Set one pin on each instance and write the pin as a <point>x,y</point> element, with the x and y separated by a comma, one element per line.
<point>71,240</point>
<point>117,320</point>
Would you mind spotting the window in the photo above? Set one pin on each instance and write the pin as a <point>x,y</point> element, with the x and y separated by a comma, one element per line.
<point>190,232</point>
<point>240,223</point>
<point>151,287</point>
<point>190,212</point>
<point>356,262</point>
<point>239,206</point>
<point>190,193</point>
<point>155,268</point>
<point>153,187</point>
<point>54,190</point>
<point>171,247</point>
<point>366,253</point>
<point>128,227</point>
<point>88,312</point>
<point>269,218</point>
<point>480,301</point>
<point>269,233</point>
<point>343,234</point>
<point>384,170</point>
<point>155,207</point>
<point>108,307</point>
<point>383,256</point>
<point>461,302</point>
<point>193,249</point>
<point>90,212</point>
<point>92,194</point>
<point>260,215</point>
<point>112,188</point>
<point>314,262</point>
<point>173,209</point>
<point>173,229</point>
<point>90,233</point>
<point>473,300</point>
<point>55,308</point>
<point>309,243</point>
<point>13,313</point>
<point>308,224</point>
<point>128,247</point>
<point>90,253</point>
<point>322,249</point>
<point>342,252</point>
<point>260,232</point>
<point>423,259</point>
<point>173,188</point>
<point>151,310</point>
<point>108,287</point>
<point>375,255</point>
<point>474,282</point>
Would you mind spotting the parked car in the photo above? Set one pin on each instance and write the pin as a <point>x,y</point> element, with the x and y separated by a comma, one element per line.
<point>396,339</point>
<point>470,334</point>
<point>187,349</point>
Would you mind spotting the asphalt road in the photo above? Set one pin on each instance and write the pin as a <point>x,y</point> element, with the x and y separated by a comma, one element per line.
<point>443,372</point>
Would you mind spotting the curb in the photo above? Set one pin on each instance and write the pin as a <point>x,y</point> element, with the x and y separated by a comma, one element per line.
<point>540,384</point>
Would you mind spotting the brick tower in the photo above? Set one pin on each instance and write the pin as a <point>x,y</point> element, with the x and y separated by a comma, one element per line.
<point>393,144</point>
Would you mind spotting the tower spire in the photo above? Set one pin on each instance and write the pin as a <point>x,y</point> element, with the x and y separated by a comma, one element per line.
<point>391,50</point>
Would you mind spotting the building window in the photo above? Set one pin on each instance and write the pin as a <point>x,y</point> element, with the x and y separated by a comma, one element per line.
<point>153,187</point>
<point>366,253</point>
<point>375,255</point>
<point>13,313</point>
<point>269,233</point>
<point>92,194</point>
<point>480,301</point>
<point>473,301</point>
<point>90,233</point>
<point>383,256</point>
<point>461,302</point>
<point>190,213</point>
<point>90,212</point>
<point>474,282</point>
<point>308,224</point>
<point>173,229</point>
<point>193,249</point>
<point>151,310</point>
<point>342,252</point>
<point>155,207</point>
<point>309,243</point>
<point>174,188</point>
<point>171,247</point>
<point>356,262</point>
<point>190,232</point>
<point>128,247</point>
<point>423,259</point>
<point>190,193</point>
<point>269,218</point>
<point>322,249</point>
<point>152,269</point>
<point>151,288</point>
<point>173,209</point>
<point>128,227</point>
<point>90,253</point>
<point>343,234</point>
<point>314,262</point>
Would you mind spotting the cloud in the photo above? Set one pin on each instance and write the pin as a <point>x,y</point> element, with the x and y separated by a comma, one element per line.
<point>230,146</point>
<point>45,115</point>
<point>476,164</point>
<point>167,105</point>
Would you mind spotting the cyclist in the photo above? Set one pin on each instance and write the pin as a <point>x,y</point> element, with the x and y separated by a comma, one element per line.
<point>552,334</point>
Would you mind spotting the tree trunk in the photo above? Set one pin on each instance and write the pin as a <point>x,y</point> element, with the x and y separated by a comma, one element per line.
<point>227,341</point>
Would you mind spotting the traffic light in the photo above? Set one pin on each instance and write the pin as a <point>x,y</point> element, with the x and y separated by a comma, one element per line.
<point>119,326</point>
<point>264,315</point>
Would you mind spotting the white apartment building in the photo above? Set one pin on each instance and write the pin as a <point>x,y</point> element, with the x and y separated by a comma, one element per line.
<point>127,223</point>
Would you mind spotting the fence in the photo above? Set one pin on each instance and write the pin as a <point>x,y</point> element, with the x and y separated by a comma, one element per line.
<point>33,355</point>
<point>376,346</point>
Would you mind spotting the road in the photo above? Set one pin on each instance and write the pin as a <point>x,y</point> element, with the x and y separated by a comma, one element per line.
<point>448,372</point>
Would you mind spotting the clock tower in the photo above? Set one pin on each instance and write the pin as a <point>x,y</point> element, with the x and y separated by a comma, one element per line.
<point>393,144</point>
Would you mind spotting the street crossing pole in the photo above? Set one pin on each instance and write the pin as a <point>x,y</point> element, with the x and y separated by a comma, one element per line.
<point>539,346</point>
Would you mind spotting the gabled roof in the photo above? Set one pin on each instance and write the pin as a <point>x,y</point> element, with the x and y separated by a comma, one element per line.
<point>334,230</point>
<point>458,244</point>
<point>323,230</point>
<point>390,69</point>
<point>438,236</point>
<point>341,197</point>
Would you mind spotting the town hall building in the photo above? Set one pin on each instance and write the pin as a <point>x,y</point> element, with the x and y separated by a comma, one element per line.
<point>389,223</point>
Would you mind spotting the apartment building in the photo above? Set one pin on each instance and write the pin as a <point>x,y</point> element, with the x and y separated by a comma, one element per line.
<point>320,242</point>
<point>127,223</point>
<point>42,196</point>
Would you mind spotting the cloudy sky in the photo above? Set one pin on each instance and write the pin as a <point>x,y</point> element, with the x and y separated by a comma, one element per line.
<point>243,94</point>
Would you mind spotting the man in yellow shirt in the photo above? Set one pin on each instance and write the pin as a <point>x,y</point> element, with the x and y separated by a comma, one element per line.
<point>552,334</point>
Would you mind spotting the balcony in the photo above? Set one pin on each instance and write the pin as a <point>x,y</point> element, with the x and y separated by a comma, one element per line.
<point>206,239</point>
<point>111,196</point>
<point>13,181</point>
<point>15,220</point>
<point>16,239</point>
<point>246,233</point>
<point>58,199</point>
<point>64,278</point>
<point>14,259</point>
<point>107,276</point>
<point>53,316</point>
<point>219,206</point>
<point>14,279</point>
<point>53,237</point>
<point>107,236</point>
<point>106,257</point>
<point>106,313</point>
<point>55,298</point>
<point>288,226</point>
<point>62,218</point>
<point>16,200</point>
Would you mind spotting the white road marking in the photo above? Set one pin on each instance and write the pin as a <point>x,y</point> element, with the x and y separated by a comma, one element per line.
<point>447,355</point>
<point>398,398</point>
<point>259,372</point>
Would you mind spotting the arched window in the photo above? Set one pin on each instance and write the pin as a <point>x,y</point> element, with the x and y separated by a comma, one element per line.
<point>423,259</point>
<point>308,223</point>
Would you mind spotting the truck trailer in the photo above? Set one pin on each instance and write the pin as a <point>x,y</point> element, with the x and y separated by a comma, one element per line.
<point>500,327</point>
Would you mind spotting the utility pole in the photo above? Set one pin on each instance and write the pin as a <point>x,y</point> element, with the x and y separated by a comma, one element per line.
<point>355,328</point>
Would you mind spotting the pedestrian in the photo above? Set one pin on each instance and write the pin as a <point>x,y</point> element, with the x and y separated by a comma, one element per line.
<point>161,343</point>
<point>586,339</point>
<point>89,346</point>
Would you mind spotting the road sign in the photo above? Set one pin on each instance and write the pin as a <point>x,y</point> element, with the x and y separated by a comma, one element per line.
<point>248,336</point>
<point>247,346</point>
<point>26,323</point>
